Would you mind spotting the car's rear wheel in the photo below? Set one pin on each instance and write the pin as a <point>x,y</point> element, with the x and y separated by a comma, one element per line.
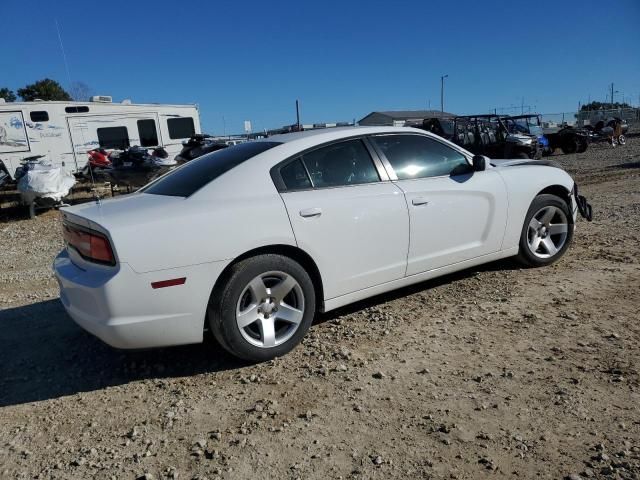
<point>547,231</point>
<point>263,308</point>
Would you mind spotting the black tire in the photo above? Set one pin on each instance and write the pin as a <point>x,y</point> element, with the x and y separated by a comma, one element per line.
<point>525,255</point>
<point>582,146</point>
<point>570,146</point>
<point>225,299</point>
<point>521,155</point>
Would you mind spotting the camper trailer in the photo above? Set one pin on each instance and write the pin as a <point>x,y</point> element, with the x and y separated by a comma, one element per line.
<point>63,132</point>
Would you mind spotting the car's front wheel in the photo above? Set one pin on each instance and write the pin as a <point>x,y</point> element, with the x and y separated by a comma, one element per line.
<point>547,231</point>
<point>263,308</point>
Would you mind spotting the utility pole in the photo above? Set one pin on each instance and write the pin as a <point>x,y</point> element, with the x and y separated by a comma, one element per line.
<point>298,115</point>
<point>611,94</point>
<point>442,92</point>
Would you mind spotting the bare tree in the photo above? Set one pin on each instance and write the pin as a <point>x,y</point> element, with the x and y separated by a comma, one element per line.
<point>80,91</point>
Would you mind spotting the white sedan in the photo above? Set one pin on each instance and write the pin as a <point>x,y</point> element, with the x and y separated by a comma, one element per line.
<point>255,239</point>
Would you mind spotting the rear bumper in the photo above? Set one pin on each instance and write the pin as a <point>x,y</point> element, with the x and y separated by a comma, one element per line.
<point>120,307</point>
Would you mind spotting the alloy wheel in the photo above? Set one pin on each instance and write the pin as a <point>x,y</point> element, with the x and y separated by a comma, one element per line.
<point>547,232</point>
<point>270,309</point>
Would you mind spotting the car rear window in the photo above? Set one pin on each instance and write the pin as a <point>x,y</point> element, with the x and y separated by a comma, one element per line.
<point>194,175</point>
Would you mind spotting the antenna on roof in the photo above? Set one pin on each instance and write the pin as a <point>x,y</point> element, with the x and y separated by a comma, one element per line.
<point>64,55</point>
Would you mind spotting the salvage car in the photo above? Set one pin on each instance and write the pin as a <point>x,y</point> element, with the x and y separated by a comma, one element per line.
<point>253,240</point>
<point>484,135</point>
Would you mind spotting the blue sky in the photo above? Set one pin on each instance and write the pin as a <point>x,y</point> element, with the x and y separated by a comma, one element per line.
<point>247,60</point>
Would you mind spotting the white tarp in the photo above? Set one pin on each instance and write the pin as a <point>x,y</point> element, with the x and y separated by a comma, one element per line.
<point>45,180</point>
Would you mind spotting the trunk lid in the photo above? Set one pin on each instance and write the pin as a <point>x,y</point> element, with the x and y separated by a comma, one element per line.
<point>134,225</point>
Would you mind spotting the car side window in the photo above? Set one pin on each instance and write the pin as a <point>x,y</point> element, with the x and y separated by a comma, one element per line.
<point>295,176</point>
<point>340,164</point>
<point>417,156</point>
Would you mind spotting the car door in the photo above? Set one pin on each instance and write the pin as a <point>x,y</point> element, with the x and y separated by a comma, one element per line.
<point>347,215</point>
<point>455,214</point>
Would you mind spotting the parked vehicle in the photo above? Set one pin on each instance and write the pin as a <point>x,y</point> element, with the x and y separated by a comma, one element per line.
<point>529,125</point>
<point>613,131</point>
<point>67,131</point>
<point>132,167</point>
<point>42,185</point>
<point>255,238</point>
<point>485,135</point>
<point>198,145</point>
<point>566,138</point>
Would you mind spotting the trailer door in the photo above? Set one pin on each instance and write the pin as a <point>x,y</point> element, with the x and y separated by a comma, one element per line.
<point>13,134</point>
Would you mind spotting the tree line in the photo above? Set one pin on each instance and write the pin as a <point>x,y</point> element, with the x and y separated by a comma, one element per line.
<point>603,106</point>
<point>47,89</point>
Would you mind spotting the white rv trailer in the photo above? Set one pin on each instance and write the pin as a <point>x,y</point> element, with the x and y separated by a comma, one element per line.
<point>65,131</point>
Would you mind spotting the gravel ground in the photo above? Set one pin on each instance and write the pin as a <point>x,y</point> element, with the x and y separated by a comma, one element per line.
<point>491,372</point>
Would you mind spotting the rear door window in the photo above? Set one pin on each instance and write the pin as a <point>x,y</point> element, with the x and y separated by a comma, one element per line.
<point>194,175</point>
<point>295,176</point>
<point>340,164</point>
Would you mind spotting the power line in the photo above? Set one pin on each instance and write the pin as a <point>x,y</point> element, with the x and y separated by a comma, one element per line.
<point>64,55</point>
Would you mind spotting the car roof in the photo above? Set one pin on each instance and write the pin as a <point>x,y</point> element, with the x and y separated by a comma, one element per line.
<point>336,133</point>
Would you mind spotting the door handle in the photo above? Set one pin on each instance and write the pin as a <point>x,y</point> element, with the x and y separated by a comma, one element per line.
<point>419,201</point>
<point>311,212</point>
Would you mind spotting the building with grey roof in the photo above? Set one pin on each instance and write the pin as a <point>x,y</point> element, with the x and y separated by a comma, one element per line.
<point>401,117</point>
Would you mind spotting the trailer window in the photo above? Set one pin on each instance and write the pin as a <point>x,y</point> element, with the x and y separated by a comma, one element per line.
<point>113,137</point>
<point>181,127</point>
<point>40,116</point>
<point>148,133</point>
<point>83,109</point>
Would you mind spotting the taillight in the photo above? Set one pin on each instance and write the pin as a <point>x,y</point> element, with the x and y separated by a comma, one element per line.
<point>91,245</point>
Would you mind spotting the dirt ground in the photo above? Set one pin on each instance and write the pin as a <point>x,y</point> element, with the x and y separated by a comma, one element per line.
<point>494,372</point>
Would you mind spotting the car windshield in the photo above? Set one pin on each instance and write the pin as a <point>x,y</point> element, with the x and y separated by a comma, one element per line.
<point>525,125</point>
<point>194,175</point>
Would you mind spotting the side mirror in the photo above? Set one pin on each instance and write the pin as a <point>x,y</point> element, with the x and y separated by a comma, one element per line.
<point>479,163</point>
